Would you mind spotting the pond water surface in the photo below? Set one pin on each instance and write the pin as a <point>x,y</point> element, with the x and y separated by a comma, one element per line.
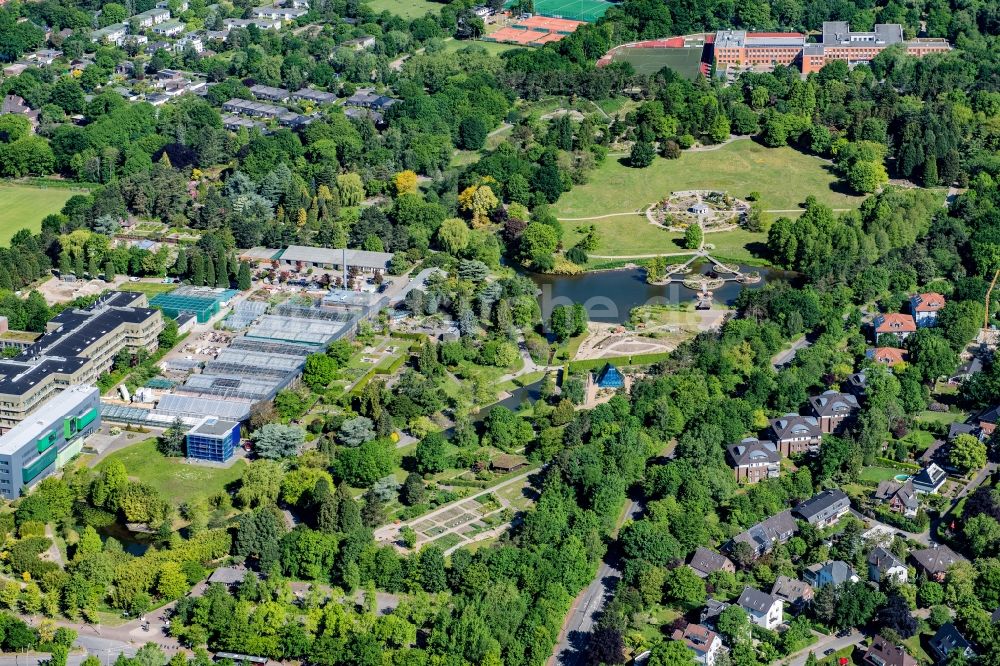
<point>609,296</point>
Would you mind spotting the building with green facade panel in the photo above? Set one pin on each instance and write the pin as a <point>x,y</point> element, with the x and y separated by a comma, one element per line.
<point>48,438</point>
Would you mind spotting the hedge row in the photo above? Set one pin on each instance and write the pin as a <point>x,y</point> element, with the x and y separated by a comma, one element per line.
<point>896,464</point>
<point>637,359</point>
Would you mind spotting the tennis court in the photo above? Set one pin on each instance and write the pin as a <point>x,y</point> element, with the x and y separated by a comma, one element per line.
<point>578,10</point>
<point>684,61</point>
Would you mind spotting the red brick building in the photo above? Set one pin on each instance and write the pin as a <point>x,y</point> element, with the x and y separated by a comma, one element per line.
<point>739,49</point>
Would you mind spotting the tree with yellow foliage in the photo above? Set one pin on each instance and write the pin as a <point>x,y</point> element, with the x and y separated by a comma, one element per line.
<point>406,182</point>
<point>480,201</point>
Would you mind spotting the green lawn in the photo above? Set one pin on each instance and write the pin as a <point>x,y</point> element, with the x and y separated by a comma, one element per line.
<point>877,474</point>
<point>149,288</point>
<point>626,236</point>
<point>783,176</point>
<point>24,206</point>
<point>684,61</point>
<point>408,9</point>
<point>738,245</point>
<point>944,418</point>
<point>453,45</point>
<point>915,647</point>
<point>177,480</point>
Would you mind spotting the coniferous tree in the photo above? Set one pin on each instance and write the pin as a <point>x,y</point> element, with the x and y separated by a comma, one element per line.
<point>243,281</point>
<point>348,513</point>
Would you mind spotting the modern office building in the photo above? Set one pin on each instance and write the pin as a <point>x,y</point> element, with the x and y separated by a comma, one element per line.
<point>78,346</point>
<point>739,49</point>
<point>43,443</point>
<point>213,439</point>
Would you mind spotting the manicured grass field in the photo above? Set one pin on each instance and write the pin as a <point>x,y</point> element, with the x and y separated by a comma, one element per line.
<point>177,480</point>
<point>625,236</point>
<point>24,206</point>
<point>877,474</point>
<point>784,178</point>
<point>738,245</point>
<point>149,288</point>
<point>944,418</point>
<point>686,62</point>
<point>408,9</point>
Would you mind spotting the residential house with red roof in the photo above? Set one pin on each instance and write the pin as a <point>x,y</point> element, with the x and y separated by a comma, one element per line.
<point>887,355</point>
<point>925,308</point>
<point>900,325</point>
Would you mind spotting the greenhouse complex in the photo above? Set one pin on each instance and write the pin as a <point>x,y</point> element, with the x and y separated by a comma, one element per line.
<point>203,302</point>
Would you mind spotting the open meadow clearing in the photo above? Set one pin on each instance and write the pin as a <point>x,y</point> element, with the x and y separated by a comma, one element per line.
<point>784,178</point>
<point>408,9</point>
<point>25,206</point>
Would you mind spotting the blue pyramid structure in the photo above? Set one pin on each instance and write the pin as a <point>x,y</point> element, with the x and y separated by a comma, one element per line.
<point>610,378</point>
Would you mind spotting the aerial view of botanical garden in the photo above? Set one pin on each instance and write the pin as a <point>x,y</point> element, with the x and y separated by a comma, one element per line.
<point>538,332</point>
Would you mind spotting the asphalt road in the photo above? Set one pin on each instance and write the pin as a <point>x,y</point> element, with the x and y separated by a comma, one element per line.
<point>825,643</point>
<point>571,646</point>
<point>786,355</point>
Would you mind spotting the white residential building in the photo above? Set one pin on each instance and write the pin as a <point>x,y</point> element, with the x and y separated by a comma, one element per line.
<point>704,642</point>
<point>765,610</point>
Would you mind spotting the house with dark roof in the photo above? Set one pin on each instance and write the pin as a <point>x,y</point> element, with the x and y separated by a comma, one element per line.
<point>270,93</point>
<point>14,104</point>
<point>930,479</point>
<point>753,460</point>
<point>833,572</point>
<point>763,609</point>
<point>230,576</point>
<point>825,508</point>
<point>948,639</point>
<point>894,323</point>
<point>367,98</point>
<point>833,409</point>
<point>935,561</point>
<point>796,434</point>
<point>506,463</point>
<point>956,429</point>
<point>883,565</point>
<point>796,593</point>
<point>857,383</point>
<point>925,308</point>
<point>316,96</point>
<point>899,497</point>
<point>886,653</point>
<point>705,562</point>
<point>712,610</point>
<point>966,370</point>
<point>988,421</point>
<point>763,536</point>
<point>704,642</point>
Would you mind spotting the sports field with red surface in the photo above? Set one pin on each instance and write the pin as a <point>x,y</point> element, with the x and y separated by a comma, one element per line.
<point>535,31</point>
